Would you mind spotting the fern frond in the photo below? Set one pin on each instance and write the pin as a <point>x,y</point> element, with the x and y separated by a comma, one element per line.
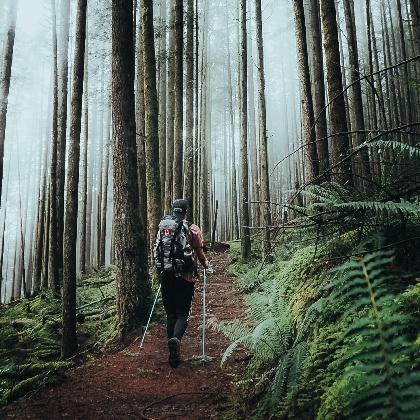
<point>411,151</point>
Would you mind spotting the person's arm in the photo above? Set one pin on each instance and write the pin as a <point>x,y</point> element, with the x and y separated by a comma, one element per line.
<point>202,258</point>
<point>197,244</point>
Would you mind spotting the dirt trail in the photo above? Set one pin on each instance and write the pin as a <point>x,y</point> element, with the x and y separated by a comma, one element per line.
<point>138,383</point>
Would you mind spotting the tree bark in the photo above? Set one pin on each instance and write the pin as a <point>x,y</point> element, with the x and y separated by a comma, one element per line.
<point>179,100</point>
<point>154,204</point>
<point>170,114</point>
<point>53,270</point>
<point>305,90</point>
<point>357,111</point>
<point>319,88</point>
<point>245,234</point>
<point>162,99</point>
<point>63,69</point>
<point>130,252</point>
<point>189,141</point>
<point>104,200</point>
<point>69,337</point>
<point>340,143</point>
<point>83,231</point>
<point>140,137</point>
<point>265,181</point>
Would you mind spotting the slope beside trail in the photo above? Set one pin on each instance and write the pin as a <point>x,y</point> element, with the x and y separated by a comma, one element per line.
<point>139,384</point>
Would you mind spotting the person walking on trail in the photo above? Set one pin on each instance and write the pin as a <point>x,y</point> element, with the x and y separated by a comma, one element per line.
<point>179,244</point>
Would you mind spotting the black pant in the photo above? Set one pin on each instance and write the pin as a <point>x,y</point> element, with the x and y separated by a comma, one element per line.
<point>177,295</point>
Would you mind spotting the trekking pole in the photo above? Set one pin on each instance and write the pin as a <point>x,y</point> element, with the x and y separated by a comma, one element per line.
<point>203,358</point>
<point>150,316</point>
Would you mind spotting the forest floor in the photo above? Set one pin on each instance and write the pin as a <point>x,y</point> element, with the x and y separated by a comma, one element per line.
<point>136,383</point>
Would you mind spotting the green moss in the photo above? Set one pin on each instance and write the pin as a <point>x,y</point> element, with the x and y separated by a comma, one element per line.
<point>30,334</point>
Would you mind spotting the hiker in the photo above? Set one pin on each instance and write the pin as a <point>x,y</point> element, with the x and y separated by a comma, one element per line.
<point>179,244</point>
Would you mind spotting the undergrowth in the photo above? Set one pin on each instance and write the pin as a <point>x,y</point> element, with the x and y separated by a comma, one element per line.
<point>30,334</point>
<point>333,321</point>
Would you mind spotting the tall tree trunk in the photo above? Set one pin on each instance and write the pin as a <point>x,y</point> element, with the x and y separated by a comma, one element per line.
<point>179,100</point>
<point>235,217</point>
<point>53,263</point>
<point>46,250</point>
<point>170,112</point>
<point>340,141</point>
<point>63,68</point>
<point>5,80</point>
<point>319,89</point>
<point>305,90</point>
<point>39,237</point>
<point>154,204</point>
<point>140,137</point>
<point>265,181</point>
<point>189,141</point>
<point>130,252</point>
<point>245,234</point>
<point>83,227</point>
<point>69,337</point>
<point>104,200</point>
<point>357,112</point>
<point>162,99</point>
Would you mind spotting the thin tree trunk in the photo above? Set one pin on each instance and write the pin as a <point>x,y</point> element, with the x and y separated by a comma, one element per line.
<point>69,337</point>
<point>265,181</point>
<point>170,113</point>
<point>85,177</point>
<point>305,90</point>
<point>140,136</point>
<point>245,234</point>
<point>63,68</point>
<point>179,99</point>
<point>319,89</point>
<point>162,99</point>
<point>154,204</point>
<point>53,270</point>
<point>104,200</point>
<point>189,141</point>
<point>357,111</point>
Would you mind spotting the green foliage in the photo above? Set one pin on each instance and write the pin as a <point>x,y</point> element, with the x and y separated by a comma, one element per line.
<point>375,354</point>
<point>396,146</point>
<point>30,334</point>
<point>333,342</point>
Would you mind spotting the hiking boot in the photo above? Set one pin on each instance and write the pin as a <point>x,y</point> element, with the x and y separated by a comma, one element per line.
<point>174,346</point>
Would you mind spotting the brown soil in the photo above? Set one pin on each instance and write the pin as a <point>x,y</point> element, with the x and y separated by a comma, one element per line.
<point>138,383</point>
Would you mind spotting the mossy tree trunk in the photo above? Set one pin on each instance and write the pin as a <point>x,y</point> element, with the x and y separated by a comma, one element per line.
<point>69,338</point>
<point>133,287</point>
<point>154,204</point>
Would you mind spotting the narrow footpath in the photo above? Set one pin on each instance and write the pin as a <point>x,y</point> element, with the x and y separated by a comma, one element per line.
<point>139,384</point>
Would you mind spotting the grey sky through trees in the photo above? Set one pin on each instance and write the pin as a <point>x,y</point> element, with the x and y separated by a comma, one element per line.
<point>29,114</point>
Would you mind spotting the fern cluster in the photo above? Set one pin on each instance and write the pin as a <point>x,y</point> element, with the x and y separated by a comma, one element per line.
<point>375,355</point>
<point>348,351</point>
